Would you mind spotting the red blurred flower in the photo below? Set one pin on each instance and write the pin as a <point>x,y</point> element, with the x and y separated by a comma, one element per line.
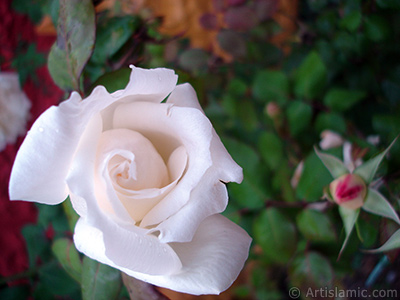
<point>17,30</point>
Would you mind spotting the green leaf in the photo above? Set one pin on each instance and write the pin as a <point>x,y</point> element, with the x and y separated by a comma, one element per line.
<point>74,45</point>
<point>271,149</point>
<point>16,292</point>
<point>390,4</point>
<point>332,121</point>
<point>310,78</point>
<point>368,169</point>
<point>271,85</point>
<point>342,99</point>
<point>35,241</point>
<point>281,182</point>
<point>311,271</point>
<point>313,179</point>
<point>376,204</point>
<point>237,87</point>
<point>367,231</point>
<point>377,28</point>
<point>349,218</point>
<point>247,115</point>
<point>243,154</point>
<point>99,281</point>
<point>248,194</point>
<point>352,21</point>
<point>27,63</point>
<point>68,257</point>
<point>111,36</point>
<point>113,81</point>
<point>392,243</point>
<point>335,166</point>
<point>32,8</point>
<point>387,125</point>
<point>315,226</point>
<point>299,116</point>
<point>56,283</point>
<point>276,235</point>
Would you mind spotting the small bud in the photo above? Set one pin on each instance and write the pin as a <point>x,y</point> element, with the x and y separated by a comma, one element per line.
<point>348,191</point>
<point>330,139</point>
<point>273,110</point>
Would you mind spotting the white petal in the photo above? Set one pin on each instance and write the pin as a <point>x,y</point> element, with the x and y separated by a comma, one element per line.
<point>211,261</point>
<point>150,170</point>
<point>208,198</point>
<point>177,163</point>
<point>85,155</point>
<point>122,244</point>
<point>139,203</point>
<point>152,85</point>
<point>184,95</point>
<point>161,124</point>
<point>44,159</point>
<point>126,249</point>
<point>222,161</point>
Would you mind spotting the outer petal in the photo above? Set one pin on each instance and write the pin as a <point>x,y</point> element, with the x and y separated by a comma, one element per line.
<point>185,96</point>
<point>211,261</point>
<point>44,158</point>
<point>150,85</point>
<point>124,249</point>
<point>210,196</point>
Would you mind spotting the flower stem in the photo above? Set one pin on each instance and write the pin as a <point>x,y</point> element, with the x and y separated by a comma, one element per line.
<point>140,290</point>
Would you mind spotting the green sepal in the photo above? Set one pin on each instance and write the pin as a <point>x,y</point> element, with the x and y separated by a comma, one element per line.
<point>377,204</point>
<point>334,165</point>
<point>71,214</point>
<point>349,218</point>
<point>68,257</point>
<point>392,243</point>
<point>368,169</point>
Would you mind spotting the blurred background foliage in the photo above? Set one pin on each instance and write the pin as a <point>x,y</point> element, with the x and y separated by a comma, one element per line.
<point>273,76</point>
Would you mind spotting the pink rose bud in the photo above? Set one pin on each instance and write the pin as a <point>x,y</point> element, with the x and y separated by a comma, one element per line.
<point>273,110</point>
<point>348,191</point>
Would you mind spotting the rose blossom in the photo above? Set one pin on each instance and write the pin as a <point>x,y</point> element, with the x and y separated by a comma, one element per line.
<point>147,178</point>
<point>348,191</point>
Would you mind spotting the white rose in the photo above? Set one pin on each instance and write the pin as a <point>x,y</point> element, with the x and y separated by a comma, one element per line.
<point>147,179</point>
<point>14,109</point>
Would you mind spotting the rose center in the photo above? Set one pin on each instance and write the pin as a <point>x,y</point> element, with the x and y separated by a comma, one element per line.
<point>133,162</point>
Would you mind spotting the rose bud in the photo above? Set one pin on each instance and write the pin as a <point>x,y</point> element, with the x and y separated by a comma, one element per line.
<point>273,110</point>
<point>348,191</point>
<point>330,139</point>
